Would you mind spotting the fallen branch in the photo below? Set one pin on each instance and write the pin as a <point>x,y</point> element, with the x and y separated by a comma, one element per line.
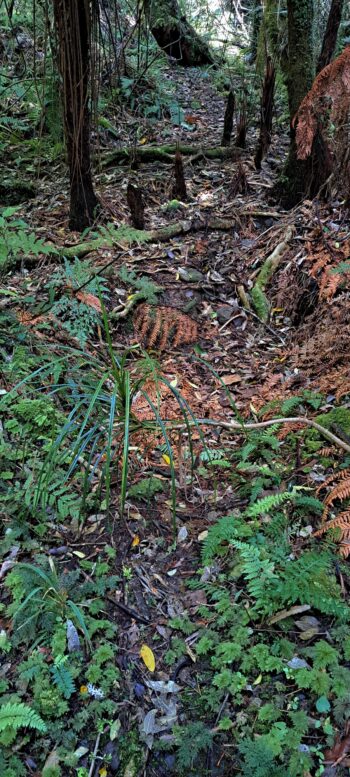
<point>126,235</point>
<point>167,154</point>
<point>259,299</point>
<point>236,426</point>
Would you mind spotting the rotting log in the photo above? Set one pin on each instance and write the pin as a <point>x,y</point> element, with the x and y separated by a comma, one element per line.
<point>167,154</point>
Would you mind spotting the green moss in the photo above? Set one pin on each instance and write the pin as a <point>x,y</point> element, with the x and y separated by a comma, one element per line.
<point>260,302</point>
<point>339,416</point>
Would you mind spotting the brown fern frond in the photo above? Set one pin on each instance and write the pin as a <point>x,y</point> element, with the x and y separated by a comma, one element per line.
<point>341,492</point>
<point>165,335</point>
<point>157,325</point>
<point>342,522</point>
<point>163,326</point>
<point>327,452</point>
<point>342,474</point>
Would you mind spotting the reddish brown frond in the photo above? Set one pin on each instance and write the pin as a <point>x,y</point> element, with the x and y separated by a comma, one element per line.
<point>342,474</point>
<point>161,326</point>
<point>329,95</point>
<point>341,492</point>
<point>342,522</point>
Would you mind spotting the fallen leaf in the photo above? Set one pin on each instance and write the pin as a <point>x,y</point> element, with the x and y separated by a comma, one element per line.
<point>282,614</point>
<point>89,299</point>
<point>135,541</point>
<point>148,658</point>
<point>228,380</point>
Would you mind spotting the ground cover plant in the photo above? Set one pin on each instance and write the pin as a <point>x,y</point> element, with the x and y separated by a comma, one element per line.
<point>175,421</point>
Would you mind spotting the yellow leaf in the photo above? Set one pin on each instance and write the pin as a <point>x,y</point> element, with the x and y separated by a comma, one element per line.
<point>166,458</point>
<point>83,689</point>
<point>143,141</point>
<point>258,680</point>
<point>173,383</point>
<point>147,656</point>
<point>136,541</point>
<point>78,553</point>
<point>102,772</point>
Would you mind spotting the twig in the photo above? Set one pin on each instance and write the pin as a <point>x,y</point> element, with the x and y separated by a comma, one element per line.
<point>94,754</point>
<point>236,426</point>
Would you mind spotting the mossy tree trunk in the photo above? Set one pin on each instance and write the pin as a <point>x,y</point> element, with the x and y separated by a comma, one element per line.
<point>175,35</point>
<point>302,178</point>
<point>73,26</point>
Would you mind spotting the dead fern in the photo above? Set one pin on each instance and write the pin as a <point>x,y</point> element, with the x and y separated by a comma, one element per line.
<point>328,97</point>
<point>161,326</point>
<point>341,522</point>
<point>344,474</point>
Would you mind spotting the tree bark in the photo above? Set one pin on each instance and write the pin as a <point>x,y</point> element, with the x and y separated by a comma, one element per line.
<point>175,35</point>
<point>302,178</point>
<point>256,14</point>
<point>301,69</point>
<point>73,26</point>
<point>331,34</point>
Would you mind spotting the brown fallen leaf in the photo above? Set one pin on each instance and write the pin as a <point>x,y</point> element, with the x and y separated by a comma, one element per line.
<point>89,299</point>
<point>229,380</point>
<point>340,749</point>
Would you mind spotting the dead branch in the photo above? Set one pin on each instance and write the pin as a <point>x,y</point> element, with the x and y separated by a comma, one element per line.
<point>241,427</point>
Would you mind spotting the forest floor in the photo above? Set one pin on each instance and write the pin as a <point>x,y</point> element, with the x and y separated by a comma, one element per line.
<point>242,622</point>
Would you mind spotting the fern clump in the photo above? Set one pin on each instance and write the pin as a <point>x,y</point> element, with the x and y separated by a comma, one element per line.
<point>78,309</point>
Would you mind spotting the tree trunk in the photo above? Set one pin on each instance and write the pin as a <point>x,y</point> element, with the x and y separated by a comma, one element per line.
<point>175,35</point>
<point>73,25</point>
<point>331,34</point>
<point>301,68</point>
<point>256,15</point>
<point>302,178</point>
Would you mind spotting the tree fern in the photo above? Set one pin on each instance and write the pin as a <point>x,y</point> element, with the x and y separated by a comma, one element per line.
<point>20,715</point>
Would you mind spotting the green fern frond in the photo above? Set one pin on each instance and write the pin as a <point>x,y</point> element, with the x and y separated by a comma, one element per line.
<point>290,404</point>
<point>20,715</point>
<point>310,502</point>
<point>224,531</point>
<point>62,677</point>
<point>258,572</point>
<point>270,502</point>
